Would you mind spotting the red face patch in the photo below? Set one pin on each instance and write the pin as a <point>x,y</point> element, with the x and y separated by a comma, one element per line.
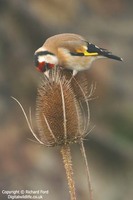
<point>43,66</point>
<point>50,66</point>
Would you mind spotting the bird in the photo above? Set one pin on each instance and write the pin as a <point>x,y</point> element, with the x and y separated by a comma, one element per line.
<point>70,51</point>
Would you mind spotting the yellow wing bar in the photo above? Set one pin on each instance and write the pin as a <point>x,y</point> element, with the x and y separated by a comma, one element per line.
<point>86,53</point>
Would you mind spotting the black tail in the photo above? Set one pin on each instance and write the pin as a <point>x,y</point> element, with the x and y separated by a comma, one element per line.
<point>102,52</point>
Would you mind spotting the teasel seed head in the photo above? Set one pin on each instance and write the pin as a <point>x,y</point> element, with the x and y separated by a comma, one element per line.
<point>61,117</point>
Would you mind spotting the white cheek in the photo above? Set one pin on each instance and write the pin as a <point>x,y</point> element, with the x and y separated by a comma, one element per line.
<point>51,59</point>
<point>48,59</point>
<point>41,59</point>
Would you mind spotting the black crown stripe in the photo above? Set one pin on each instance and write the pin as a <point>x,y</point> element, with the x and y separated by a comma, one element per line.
<point>43,53</point>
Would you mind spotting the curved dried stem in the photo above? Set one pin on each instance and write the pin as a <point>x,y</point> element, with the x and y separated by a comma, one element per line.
<point>92,91</point>
<point>49,128</point>
<point>64,112</point>
<point>87,168</point>
<point>87,120</point>
<point>27,120</point>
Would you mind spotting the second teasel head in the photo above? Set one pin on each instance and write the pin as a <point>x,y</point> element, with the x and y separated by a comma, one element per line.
<point>61,117</point>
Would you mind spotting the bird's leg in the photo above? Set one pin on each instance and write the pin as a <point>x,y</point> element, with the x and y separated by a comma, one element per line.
<point>75,72</point>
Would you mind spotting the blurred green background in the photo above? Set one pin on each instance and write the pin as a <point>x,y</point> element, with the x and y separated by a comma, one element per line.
<point>24,26</point>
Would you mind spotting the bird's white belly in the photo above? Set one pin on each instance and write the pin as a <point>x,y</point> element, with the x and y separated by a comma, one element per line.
<point>79,63</point>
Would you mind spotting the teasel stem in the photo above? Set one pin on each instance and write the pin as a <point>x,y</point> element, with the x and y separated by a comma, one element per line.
<point>82,148</point>
<point>67,160</point>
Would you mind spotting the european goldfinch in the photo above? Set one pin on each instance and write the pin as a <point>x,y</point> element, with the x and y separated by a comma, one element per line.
<point>70,51</point>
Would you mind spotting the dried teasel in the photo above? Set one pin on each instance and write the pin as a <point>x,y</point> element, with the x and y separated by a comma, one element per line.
<point>61,118</point>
